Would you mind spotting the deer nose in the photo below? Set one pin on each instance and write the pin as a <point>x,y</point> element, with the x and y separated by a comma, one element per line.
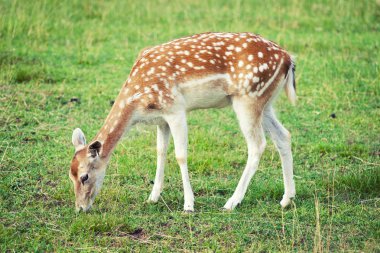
<point>84,178</point>
<point>78,209</point>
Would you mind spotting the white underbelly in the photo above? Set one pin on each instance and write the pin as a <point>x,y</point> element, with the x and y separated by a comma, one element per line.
<point>209,92</point>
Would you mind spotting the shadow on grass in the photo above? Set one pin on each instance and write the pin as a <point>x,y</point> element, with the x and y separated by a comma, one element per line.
<point>27,68</point>
<point>363,182</point>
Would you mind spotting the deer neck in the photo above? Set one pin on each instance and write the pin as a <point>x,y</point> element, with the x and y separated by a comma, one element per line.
<point>118,122</point>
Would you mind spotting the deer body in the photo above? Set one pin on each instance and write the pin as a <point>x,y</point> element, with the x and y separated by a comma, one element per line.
<point>209,70</point>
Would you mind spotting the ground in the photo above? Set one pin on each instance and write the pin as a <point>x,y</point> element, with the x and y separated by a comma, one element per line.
<point>62,64</point>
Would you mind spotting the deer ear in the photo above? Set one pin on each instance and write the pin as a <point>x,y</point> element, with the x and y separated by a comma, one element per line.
<point>78,139</point>
<point>94,148</point>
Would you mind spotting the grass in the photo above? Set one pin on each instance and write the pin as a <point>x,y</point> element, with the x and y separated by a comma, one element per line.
<point>53,51</point>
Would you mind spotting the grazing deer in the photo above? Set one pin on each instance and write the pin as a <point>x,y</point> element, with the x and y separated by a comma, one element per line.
<point>208,70</point>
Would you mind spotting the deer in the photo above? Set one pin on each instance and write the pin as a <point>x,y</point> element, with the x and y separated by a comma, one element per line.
<point>207,70</point>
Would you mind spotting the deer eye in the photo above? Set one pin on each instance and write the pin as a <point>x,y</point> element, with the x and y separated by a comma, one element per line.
<point>84,178</point>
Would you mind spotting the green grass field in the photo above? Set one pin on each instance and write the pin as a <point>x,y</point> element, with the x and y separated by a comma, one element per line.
<point>53,51</point>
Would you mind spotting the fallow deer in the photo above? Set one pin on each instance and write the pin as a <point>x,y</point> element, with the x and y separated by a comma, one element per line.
<point>208,70</point>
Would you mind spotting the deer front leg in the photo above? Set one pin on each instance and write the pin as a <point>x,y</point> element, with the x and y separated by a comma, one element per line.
<point>163,135</point>
<point>178,128</point>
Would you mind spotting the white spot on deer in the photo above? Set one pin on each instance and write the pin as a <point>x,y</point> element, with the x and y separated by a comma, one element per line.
<point>241,75</point>
<point>276,56</point>
<point>238,49</point>
<point>240,64</point>
<point>190,64</point>
<point>134,97</point>
<point>255,69</point>
<point>244,45</point>
<point>260,54</point>
<point>256,79</point>
<point>250,57</point>
<point>228,53</point>
<point>183,60</point>
<point>248,67</point>
<point>246,83</point>
<point>135,72</point>
<point>230,47</point>
<point>263,67</point>
<point>155,87</point>
<point>137,87</point>
<point>183,69</point>
<point>146,89</point>
<point>122,104</point>
<point>151,71</point>
<point>232,69</point>
<point>166,84</point>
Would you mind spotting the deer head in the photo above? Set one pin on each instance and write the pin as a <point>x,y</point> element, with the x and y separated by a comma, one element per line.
<point>87,170</point>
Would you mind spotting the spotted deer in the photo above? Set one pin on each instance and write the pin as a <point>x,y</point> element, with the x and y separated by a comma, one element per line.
<point>208,70</point>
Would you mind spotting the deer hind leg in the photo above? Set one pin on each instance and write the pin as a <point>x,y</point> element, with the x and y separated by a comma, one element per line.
<point>250,124</point>
<point>281,138</point>
<point>163,135</point>
<point>178,128</point>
